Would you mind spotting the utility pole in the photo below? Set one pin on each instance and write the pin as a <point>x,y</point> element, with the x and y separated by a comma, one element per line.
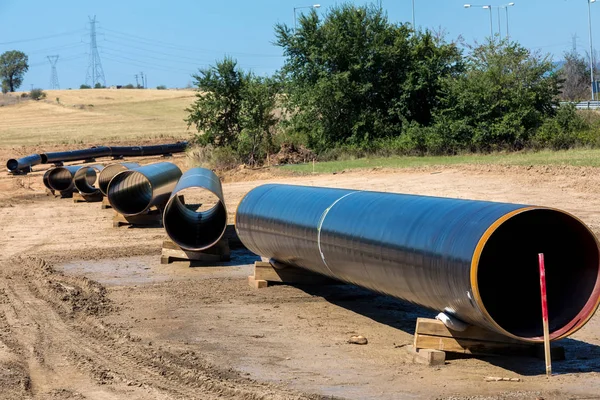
<point>143,83</point>
<point>95,73</point>
<point>54,74</point>
<point>574,38</point>
<point>137,83</point>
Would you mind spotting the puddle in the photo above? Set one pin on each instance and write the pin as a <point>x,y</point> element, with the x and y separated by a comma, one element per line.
<point>148,269</point>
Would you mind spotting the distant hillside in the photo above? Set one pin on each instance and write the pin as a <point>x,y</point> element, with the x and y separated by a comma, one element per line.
<point>94,116</point>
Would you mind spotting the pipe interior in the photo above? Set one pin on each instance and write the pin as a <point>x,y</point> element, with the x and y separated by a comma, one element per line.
<point>12,164</point>
<point>508,273</point>
<point>44,158</point>
<point>107,174</point>
<point>130,193</point>
<point>84,180</point>
<point>60,179</point>
<point>197,222</point>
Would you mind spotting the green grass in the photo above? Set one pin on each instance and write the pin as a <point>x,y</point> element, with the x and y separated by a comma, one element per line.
<point>587,157</point>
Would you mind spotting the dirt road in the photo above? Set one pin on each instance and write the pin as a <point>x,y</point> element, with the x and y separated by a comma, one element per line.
<point>88,312</point>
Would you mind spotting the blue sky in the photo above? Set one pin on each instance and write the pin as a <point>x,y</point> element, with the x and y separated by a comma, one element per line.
<point>169,40</point>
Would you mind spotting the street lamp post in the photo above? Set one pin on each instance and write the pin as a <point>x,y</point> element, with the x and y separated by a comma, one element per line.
<point>591,47</point>
<point>486,7</point>
<point>297,8</point>
<point>489,7</point>
<point>505,6</point>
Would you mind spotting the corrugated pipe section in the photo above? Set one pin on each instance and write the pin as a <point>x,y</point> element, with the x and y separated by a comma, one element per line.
<point>188,226</point>
<point>134,191</point>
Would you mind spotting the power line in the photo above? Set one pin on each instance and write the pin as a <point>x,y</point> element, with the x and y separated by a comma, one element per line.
<point>156,43</point>
<point>54,74</point>
<point>42,37</point>
<point>95,73</point>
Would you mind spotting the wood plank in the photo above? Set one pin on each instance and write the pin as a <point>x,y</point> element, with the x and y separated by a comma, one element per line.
<point>434,327</point>
<point>105,203</point>
<point>265,271</point>
<point>257,283</point>
<point>470,346</point>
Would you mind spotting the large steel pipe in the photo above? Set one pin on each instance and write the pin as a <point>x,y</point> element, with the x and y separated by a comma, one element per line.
<point>475,260</point>
<point>198,222</point>
<point>75,155</point>
<point>85,178</point>
<point>153,150</point>
<point>24,163</point>
<point>45,179</point>
<point>134,191</point>
<point>61,178</point>
<point>110,171</point>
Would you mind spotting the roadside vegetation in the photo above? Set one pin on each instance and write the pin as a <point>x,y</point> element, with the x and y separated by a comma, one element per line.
<point>356,85</point>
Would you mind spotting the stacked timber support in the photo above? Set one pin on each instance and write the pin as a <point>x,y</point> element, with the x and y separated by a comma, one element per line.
<point>173,253</point>
<point>268,272</point>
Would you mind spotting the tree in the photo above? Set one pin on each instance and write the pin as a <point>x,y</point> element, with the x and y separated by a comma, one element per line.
<point>505,94</point>
<point>84,86</point>
<point>257,119</point>
<point>354,76</point>
<point>13,65</point>
<point>216,111</point>
<point>575,76</point>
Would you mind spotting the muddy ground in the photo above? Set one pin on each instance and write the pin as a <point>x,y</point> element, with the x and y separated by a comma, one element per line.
<point>88,312</point>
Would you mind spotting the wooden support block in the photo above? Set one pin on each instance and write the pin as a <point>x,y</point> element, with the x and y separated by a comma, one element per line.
<point>427,357</point>
<point>433,334</point>
<point>150,219</point>
<point>172,252</point>
<point>257,283</point>
<point>50,192</point>
<point>265,271</point>
<point>105,203</point>
<point>90,198</point>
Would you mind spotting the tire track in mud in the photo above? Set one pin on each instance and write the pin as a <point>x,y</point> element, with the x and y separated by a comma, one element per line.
<point>56,345</point>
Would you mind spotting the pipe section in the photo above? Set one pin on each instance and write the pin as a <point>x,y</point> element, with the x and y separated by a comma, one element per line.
<point>85,178</point>
<point>473,260</point>
<point>110,171</point>
<point>24,163</point>
<point>61,178</point>
<point>75,155</point>
<point>196,226</point>
<point>45,178</point>
<point>154,150</point>
<point>134,191</point>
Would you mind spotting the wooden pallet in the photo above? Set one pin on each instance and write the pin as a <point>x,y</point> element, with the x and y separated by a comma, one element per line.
<point>90,198</point>
<point>266,272</point>
<point>173,253</point>
<point>105,203</point>
<point>152,218</point>
<point>434,335</point>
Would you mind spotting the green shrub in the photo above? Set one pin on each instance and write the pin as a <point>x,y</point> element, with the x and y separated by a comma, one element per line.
<point>37,94</point>
<point>161,87</point>
<point>84,86</point>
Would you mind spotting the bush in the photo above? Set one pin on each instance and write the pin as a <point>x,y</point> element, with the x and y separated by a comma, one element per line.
<point>161,87</point>
<point>217,158</point>
<point>99,86</point>
<point>129,86</point>
<point>37,94</point>
<point>84,86</point>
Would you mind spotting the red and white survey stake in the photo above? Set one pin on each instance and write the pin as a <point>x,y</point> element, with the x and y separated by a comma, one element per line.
<point>545,315</point>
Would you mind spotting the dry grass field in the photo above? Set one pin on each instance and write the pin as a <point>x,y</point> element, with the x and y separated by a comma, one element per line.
<point>93,116</point>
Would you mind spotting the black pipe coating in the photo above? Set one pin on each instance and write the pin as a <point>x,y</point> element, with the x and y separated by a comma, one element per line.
<point>16,165</point>
<point>153,150</point>
<point>475,260</point>
<point>188,226</point>
<point>134,191</point>
<point>75,155</point>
